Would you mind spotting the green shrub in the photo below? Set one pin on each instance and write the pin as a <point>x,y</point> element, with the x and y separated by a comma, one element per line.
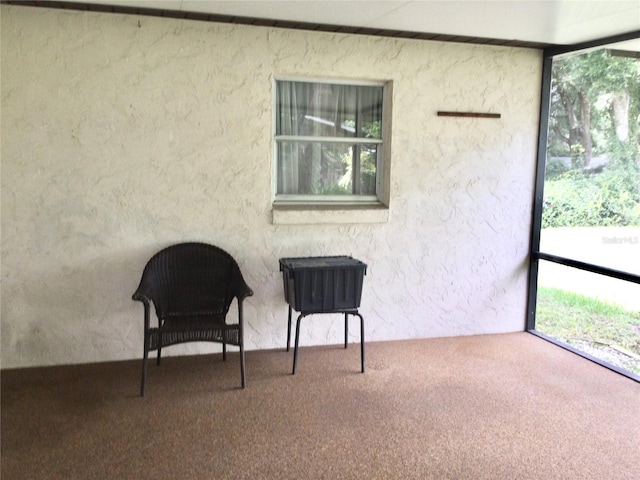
<point>554,168</point>
<point>579,199</point>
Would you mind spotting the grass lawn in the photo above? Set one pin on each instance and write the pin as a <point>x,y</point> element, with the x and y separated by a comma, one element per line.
<point>576,320</point>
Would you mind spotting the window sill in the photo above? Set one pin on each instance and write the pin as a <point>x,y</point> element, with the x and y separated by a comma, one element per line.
<point>300,214</point>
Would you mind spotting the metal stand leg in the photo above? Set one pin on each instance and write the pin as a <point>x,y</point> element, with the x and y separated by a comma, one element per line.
<point>295,348</point>
<point>361,342</point>
<point>346,334</point>
<point>289,330</point>
<point>346,329</point>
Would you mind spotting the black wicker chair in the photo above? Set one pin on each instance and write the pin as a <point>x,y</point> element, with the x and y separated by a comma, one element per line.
<point>192,286</point>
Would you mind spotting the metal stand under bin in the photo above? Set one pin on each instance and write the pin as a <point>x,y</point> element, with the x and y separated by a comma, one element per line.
<point>323,285</point>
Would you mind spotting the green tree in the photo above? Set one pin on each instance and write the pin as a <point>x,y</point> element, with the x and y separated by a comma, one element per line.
<point>595,108</point>
<point>595,95</point>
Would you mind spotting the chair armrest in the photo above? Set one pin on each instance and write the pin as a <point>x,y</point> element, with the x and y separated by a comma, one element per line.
<point>243,292</point>
<point>139,296</point>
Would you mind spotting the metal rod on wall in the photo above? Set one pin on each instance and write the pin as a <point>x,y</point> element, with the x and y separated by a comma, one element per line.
<point>468,114</point>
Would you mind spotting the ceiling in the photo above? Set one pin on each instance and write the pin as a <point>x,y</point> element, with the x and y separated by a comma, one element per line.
<point>534,22</point>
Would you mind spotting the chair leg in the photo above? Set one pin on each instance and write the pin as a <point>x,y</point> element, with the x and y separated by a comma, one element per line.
<point>224,351</point>
<point>159,355</point>
<point>243,377</point>
<point>144,368</point>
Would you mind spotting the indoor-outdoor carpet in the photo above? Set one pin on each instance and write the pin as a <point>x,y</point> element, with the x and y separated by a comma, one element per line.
<point>509,406</point>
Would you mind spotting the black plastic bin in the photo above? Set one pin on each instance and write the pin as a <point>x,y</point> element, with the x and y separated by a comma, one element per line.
<point>322,284</point>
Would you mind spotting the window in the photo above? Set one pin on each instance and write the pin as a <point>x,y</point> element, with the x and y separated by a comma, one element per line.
<point>329,142</point>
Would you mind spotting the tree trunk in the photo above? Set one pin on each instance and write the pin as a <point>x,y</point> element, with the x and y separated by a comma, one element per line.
<point>574,127</point>
<point>585,127</point>
<point>572,123</point>
<point>620,107</point>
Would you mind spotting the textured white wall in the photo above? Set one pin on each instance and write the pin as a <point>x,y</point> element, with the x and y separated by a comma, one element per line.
<point>124,134</point>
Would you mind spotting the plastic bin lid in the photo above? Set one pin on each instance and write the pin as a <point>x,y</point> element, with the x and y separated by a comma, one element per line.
<point>320,262</point>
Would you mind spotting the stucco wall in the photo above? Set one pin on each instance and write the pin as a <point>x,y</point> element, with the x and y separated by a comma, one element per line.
<point>124,134</point>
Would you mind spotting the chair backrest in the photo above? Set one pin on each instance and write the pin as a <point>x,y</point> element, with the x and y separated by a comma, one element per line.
<point>191,279</point>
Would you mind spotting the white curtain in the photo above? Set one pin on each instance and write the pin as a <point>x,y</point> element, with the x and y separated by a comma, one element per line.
<point>319,110</point>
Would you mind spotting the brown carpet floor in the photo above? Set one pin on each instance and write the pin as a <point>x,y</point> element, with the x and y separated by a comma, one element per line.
<point>507,406</point>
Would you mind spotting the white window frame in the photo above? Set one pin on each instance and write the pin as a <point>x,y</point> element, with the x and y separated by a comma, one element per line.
<point>381,197</point>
